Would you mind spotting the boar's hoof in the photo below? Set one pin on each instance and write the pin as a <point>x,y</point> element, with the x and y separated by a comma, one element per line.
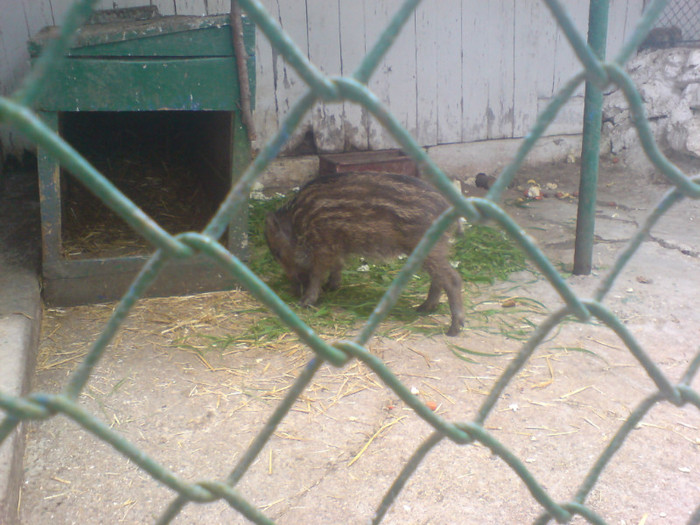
<point>308,300</point>
<point>331,286</point>
<point>426,307</point>
<point>455,329</point>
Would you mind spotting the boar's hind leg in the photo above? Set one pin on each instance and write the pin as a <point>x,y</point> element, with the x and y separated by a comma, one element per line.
<point>444,277</point>
<point>453,288</point>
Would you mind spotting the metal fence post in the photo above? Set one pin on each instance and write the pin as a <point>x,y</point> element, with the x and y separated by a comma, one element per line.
<point>590,148</point>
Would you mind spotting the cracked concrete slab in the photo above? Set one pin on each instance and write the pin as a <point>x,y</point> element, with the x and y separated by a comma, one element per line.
<point>20,317</point>
<point>624,202</point>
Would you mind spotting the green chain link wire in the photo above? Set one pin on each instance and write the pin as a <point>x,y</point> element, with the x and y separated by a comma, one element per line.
<point>15,110</point>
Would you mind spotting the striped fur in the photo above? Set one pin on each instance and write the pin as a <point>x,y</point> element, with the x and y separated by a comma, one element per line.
<point>374,215</point>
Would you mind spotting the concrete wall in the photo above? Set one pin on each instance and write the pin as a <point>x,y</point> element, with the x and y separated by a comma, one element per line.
<point>669,83</point>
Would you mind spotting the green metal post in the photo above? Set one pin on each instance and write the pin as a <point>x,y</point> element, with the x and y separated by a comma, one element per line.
<point>590,148</point>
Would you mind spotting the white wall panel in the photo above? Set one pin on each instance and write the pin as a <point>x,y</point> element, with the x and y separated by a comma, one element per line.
<point>353,49</point>
<point>324,51</point>
<point>481,71</point>
<point>449,71</point>
<point>426,28</point>
<point>377,16</point>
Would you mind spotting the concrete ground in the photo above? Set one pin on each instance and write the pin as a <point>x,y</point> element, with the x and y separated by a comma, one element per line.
<point>623,202</point>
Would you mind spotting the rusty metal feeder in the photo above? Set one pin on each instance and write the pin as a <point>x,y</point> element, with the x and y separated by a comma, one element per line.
<point>382,161</point>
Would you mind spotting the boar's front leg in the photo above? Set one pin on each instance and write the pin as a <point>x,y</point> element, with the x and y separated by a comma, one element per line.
<point>433,299</point>
<point>312,291</point>
<point>321,265</point>
<point>336,277</point>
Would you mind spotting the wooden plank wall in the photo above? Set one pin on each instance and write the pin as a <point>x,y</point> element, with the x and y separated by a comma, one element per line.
<point>461,70</point>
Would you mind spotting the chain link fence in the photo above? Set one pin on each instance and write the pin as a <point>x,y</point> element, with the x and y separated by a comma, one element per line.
<point>684,15</point>
<point>15,110</point>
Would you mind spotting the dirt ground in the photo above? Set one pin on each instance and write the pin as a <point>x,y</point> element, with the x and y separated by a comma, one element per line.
<point>171,388</point>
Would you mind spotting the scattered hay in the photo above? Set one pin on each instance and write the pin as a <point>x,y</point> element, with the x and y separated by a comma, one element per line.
<point>373,437</point>
<point>212,326</point>
<point>171,193</point>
